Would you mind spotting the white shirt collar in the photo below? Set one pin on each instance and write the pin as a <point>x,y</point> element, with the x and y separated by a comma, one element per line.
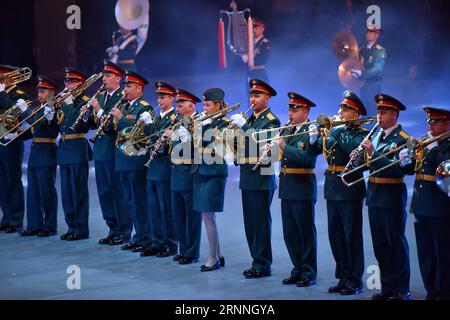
<point>389,130</point>
<point>259,38</point>
<point>133,101</point>
<point>112,93</point>
<point>370,45</point>
<point>163,114</point>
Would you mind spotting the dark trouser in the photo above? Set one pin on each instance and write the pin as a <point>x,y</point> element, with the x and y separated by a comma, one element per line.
<point>11,188</point>
<point>300,236</point>
<point>433,249</point>
<point>42,199</point>
<point>162,231</point>
<point>346,241</point>
<point>368,93</point>
<point>188,223</point>
<point>258,226</point>
<point>133,192</point>
<point>75,196</point>
<point>110,197</point>
<point>387,226</point>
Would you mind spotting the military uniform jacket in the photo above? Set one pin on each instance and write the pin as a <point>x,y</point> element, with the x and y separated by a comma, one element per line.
<point>374,60</point>
<point>338,145</point>
<point>104,146</point>
<point>160,165</point>
<point>42,154</point>
<point>210,145</point>
<point>428,200</point>
<point>296,155</point>
<point>8,100</point>
<point>130,117</point>
<point>261,51</point>
<point>255,180</point>
<point>72,151</point>
<point>391,195</point>
<point>129,51</point>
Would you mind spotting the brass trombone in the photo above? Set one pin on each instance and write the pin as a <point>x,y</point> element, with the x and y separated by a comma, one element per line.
<point>414,146</point>
<point>54,102</point>
<point>14,77</point>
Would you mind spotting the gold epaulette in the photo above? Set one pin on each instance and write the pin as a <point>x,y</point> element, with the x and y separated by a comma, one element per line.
<point>19,91</point>
<point>60,118</point>
<point>404,134</point>
<point>144,103</point>
<point>270,116</point>
<point>378,46</point>
<point>226,119</point>
<point>85,98</point>
<point>173,117</point>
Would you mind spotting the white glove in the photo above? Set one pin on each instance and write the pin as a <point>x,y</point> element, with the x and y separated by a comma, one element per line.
<point>22,105</point>
<point>183,133</point>
<point>99,113</point>
<point>433,144</point>
<point>313,134</point>
<point>49,113</point>
<point>2,87</point>
<point>206,122</point>
<point>229,158</point>
<point>86,115</point>
<point>146,117</point>
<point>69,100</point>
<point>10,136</point>
<point>404,157</point>
<point>355,73</point>
<point>141,152</point>
<point>238,120</point>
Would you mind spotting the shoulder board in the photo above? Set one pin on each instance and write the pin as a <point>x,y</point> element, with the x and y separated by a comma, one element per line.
<point>85,98</point>
<point>19,91</point>
<point>270,116</point>
<point>363,129</point>
<point>173,117</point>
<point>226,119</point>
<point>378,46</point>
<point>144,103</point>
<point>404,134</point>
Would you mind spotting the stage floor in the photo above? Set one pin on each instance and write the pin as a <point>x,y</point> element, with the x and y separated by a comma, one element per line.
<point>36,268</point>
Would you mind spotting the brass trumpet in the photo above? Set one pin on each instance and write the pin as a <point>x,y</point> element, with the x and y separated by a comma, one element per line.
<point>14,77</point>
<point>414,146</point>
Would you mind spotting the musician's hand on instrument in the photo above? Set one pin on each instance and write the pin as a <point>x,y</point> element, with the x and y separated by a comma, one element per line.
<point>433,144</point>
<point>84,110</point>
<point>206,122</point>
<point>141,152</point>
<point>22,105</point>
<point>313,134</point>
<point>2,87</point>
<point>404,157</point>
<point>368,146</point>
<point>355,73</point>
<point>146,117</point>
<point>245,58</point>
<point>265,148</point>
<point>116,113</point>
<point>168,134</point>
<point>94,103</point>
<point>183,133</point>
<point>100,113</point>
<point>10,136</point>
<point>229,158</point>
<point>49,113</point>
<point>237,120</point>
<point>281,143</point>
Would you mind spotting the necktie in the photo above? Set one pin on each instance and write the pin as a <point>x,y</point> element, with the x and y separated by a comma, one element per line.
<point>382,136</point>
<point>108,96</point>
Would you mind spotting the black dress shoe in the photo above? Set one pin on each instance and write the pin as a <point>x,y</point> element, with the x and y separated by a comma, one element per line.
<point>106,240</point>
<point>139,248</point>
<point>66,235</point>
<point>222,261</point>
<point>290,280</point>
<point>166,252</point>
<point>248,271</point>
<point>3,227</point>
<point>305,282</point>
<point>186,260</point>
<point>29,233</point>
<point>177,257</point>
<point>129,246</point>
<point>44,234</point>
<point>337,288</point>
<point>149,252</point>
<point>215,266</point>
<point>259,274</point>
<point>347,291</point>
<point>76,237</point>
<point>12,229</point>
<point>400,296</point>
<point>117,240</point>
<point>381,296</point>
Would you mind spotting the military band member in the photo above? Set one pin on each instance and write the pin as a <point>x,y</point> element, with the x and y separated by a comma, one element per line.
<point>108,187</point>
<point>42,198</point>
<point>344,204</point>
<point>162,234</point>
<point>261,51</point>
<point>73,159</point>
<point>210,172</point>
<point>430,207</point>
<point>298,194</point>
<point>188,222</point>
<point>123,50</point>
<point>257,187</point>
<point>132,170</point>
<point>386,200</point>
<point>373,57</point>
<point>11,157</point>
